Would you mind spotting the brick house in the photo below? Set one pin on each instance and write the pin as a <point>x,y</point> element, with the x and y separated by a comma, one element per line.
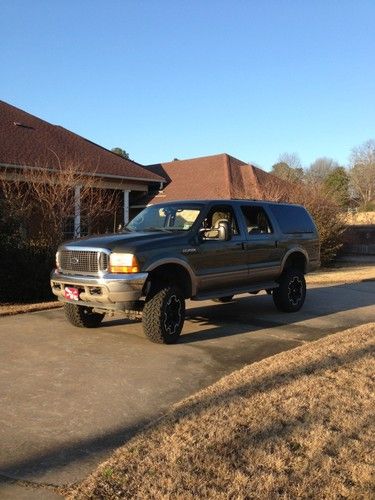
<point>211,177</point>
<point>29,142</point>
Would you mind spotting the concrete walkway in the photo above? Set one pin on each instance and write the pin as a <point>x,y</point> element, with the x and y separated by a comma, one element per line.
<point>69,396</point>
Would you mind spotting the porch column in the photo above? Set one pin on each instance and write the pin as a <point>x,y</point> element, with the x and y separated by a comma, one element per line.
<point>77,211</point>
<point>126,206</point>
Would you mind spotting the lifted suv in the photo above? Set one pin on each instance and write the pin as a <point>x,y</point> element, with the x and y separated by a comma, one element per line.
<point>187,250</point>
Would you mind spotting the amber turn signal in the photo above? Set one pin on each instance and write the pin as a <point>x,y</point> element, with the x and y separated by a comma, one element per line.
<point>123,263</point>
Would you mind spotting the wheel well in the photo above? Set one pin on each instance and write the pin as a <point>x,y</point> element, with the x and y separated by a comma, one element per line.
<point>171,274</point>
<point>296,260</point>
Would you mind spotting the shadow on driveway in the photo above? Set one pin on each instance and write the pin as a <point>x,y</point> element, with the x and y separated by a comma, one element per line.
<point>253,313</point>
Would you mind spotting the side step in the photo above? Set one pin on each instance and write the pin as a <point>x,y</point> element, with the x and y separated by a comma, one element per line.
<point>257,287</point>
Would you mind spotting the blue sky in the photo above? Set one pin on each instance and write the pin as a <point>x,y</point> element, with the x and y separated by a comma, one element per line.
<point>176,78</point>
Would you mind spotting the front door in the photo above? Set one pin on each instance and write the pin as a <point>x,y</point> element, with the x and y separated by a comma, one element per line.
<point>220,264</point>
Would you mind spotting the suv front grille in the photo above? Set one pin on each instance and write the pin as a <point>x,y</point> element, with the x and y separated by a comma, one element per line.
<point>83,261</point>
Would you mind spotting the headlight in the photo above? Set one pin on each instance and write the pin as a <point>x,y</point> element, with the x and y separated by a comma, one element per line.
<point>123,263</point>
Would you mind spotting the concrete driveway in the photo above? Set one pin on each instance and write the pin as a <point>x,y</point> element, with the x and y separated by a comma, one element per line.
<point>70,396</point>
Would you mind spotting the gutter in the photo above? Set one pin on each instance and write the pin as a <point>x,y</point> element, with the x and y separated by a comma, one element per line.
<point>91,174</point>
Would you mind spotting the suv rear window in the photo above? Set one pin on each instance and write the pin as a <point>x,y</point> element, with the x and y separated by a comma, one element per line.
<point>293,219</point>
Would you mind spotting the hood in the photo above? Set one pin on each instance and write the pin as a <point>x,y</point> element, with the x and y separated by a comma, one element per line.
<point>121,241</point>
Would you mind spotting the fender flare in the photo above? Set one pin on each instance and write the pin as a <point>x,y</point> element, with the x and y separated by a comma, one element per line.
<point>295,250</point>
<point>180,262</point>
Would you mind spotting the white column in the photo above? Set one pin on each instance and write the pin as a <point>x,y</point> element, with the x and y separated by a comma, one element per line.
<point>77,211</point>
<point>126,207</point>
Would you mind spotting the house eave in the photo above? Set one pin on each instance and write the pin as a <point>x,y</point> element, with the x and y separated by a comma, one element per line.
<point>87,174</point>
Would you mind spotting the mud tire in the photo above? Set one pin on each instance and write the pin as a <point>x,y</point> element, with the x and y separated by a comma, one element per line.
<point>82,316</point>
<point>291,293</point>
<point>164,315</point>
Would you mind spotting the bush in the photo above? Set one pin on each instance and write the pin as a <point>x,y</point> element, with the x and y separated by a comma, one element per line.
<point>24,265</point>
<point>24,274</point>
<point>328,219</point>
<point>369,206</point>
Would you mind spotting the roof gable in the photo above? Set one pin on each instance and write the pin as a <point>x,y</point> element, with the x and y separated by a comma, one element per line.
<point>219,176</point>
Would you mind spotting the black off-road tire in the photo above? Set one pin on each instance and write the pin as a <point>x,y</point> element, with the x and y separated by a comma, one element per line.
<point>224,300</point>
<point>164,315</point>
<point>82,316</point>
<point>291,293</point>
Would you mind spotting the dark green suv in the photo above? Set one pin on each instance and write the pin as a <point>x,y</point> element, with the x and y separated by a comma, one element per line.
<point>187,250</point>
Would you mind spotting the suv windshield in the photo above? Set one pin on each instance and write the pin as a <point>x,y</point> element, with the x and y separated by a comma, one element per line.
<point>165,218</point>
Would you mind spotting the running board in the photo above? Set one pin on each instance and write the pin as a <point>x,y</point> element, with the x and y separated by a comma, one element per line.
<point>257,287</point>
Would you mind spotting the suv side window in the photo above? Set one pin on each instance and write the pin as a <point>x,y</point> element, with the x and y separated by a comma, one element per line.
<point>219,213</point>
<point>256,220</point>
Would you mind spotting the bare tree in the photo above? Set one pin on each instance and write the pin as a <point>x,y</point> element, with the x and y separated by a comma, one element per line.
<point>319,170</point>
<point>288,167</point>
<point>362,172</point>
<point>44,200</point>
<point>291,159</point>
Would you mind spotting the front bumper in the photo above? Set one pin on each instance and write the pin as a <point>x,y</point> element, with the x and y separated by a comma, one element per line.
<point>110,289</point>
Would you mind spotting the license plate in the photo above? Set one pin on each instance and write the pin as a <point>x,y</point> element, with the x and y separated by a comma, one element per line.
<point>71,293</point>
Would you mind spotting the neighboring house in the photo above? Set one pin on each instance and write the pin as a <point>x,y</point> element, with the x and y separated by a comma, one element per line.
<point>27,141</point>
<point>217,176</point>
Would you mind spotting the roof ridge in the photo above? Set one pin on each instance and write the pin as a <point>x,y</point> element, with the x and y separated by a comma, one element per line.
<point>218,155</point>
<point>231,157</point>
<point>254,170</point>
<point>229,173</point>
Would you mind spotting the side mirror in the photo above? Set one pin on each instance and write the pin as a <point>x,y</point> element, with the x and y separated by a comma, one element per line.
<point>224,231</point>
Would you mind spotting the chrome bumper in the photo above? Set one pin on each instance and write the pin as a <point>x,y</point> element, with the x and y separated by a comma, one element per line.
<point>108,289</point>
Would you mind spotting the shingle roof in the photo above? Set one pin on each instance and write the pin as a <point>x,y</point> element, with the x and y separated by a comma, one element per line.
<point>218,176</point>
<point>26,140</point>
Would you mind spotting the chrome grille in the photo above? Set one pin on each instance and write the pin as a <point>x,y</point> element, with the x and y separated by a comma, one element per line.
<point>83,261</point>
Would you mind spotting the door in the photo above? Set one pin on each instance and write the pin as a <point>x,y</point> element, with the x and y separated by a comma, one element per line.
<point>263,253</point>
<point>220,264</point>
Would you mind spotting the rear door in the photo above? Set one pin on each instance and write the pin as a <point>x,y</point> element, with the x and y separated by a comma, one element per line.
<point>221,264</point>
<point>263,253</point>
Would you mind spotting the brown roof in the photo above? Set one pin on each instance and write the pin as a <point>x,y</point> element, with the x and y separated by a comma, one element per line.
<point>26,140</point>
<point>219,176</point>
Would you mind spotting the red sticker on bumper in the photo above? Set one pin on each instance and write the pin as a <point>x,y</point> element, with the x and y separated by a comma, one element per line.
<point>71,293</point>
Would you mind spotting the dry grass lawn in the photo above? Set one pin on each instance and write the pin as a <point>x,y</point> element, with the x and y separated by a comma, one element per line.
<point>341,275</point>
<point>296,425</point>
